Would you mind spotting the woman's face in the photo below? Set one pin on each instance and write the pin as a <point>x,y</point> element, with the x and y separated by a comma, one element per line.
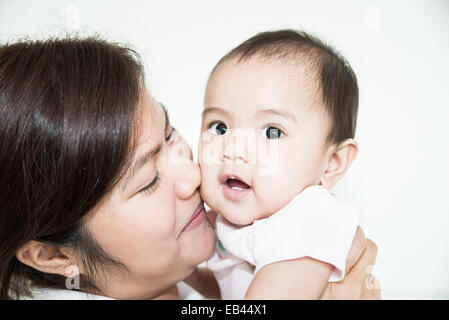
<point>153,220</point>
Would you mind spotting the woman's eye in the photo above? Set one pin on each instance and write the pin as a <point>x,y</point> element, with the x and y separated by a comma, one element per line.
<point>272,132</point>
<point>170,135</point>
<point>218,128</point>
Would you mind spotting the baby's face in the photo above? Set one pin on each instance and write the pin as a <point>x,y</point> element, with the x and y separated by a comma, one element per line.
<point>262,138</point>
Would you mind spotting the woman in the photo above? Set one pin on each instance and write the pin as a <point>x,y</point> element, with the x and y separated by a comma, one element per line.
<point>95,180</point>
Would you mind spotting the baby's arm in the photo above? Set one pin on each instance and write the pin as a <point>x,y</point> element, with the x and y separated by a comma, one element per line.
<point>304,278</point>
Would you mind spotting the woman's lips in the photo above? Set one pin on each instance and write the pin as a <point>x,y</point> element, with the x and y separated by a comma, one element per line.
<point>198,217</point>
<point>235,189</point>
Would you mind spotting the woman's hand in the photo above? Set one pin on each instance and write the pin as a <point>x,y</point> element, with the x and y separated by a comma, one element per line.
<point>203,281</point>
<point>358,283</point>
<point>211,217</point>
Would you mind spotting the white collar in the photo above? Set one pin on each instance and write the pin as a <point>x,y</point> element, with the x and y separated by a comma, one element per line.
<point>38,293</point>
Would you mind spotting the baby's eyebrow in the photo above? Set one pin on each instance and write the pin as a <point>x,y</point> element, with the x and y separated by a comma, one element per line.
<point>208,110</point>
<point>281,113</point>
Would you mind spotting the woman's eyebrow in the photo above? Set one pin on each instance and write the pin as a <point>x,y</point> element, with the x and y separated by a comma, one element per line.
<point>139,163</point>
<point>167,120</point>
<point>134,168</point>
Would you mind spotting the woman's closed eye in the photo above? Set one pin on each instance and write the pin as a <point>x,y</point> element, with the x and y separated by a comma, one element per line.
<point>152,186</point>
<point>217,128</point>
<point>169,137</point>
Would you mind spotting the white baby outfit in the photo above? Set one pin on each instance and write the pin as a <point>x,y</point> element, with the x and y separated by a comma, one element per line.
<point>314,224</point>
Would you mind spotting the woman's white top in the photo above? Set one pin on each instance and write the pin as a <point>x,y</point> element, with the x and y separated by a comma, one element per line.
<point>314,224</point>
<point>185,293</point>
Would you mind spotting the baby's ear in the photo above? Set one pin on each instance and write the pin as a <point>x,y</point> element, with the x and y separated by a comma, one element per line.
<point>338,162</point>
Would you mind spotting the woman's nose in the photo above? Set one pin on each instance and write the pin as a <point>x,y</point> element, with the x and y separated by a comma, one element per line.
<point>187,174</point>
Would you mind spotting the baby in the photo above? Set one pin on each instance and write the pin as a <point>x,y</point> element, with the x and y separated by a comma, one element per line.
<point>277,134</point>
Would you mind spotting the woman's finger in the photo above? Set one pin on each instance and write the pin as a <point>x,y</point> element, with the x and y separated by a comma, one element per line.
<point>358,284</point>
<point>371,287</point>
<point>357,248</point>
<point>361,270</point>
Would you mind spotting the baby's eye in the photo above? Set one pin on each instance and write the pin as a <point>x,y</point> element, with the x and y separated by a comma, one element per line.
<point>271,132</point>
<point>218,128</point>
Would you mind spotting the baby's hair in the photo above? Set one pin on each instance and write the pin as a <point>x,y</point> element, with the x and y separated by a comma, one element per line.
<point>337,82</point>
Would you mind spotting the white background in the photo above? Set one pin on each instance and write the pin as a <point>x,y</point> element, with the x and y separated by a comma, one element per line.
<point>400,53</point>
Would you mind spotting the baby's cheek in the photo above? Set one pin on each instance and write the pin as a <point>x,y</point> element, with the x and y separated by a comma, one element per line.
<point>276,191</point>
<point>207,187</point>
<point>204,184</point>
<point>270,195</point>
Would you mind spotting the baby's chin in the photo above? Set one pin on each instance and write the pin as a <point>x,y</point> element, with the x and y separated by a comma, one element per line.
<point>239,214</point>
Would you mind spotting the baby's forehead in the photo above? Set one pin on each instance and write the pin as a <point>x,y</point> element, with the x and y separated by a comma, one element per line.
<point>298,69</point>
<point>299,63</point>
<point>274,81</point>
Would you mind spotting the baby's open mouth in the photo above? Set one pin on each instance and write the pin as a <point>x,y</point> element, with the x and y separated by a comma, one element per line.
<point>237,184</point>
<point>235,189</point>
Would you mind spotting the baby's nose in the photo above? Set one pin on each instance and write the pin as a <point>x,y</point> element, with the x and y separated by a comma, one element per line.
<point>239,146</point>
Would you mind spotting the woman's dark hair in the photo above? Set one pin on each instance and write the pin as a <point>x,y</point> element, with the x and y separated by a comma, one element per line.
<point>337,82</point>
<point>67,112</point>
